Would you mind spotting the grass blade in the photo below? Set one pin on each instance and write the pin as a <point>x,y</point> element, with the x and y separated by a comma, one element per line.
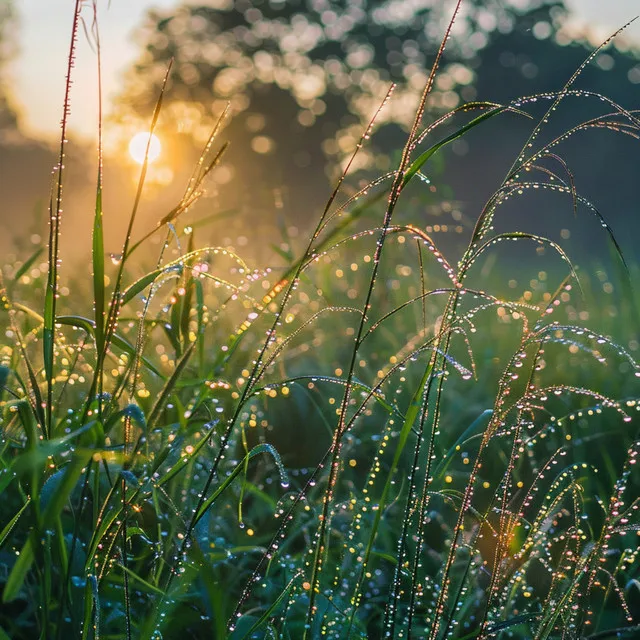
<point>7,529</point>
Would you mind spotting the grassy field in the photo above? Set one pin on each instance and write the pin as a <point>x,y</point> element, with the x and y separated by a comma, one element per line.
<point>368,440</point>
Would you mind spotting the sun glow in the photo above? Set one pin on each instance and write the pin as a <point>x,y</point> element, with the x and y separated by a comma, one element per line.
<point>138,147</point>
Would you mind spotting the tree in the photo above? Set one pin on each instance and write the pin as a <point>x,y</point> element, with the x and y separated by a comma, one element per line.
<point>8,118</point>
<point>318,67</point>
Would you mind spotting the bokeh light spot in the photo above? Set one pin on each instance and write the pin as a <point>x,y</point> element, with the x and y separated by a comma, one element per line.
<point>138,147</point>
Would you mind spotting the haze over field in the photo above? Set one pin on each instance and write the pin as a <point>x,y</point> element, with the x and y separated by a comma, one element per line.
<point>35,74</point>
<point>284,168</point>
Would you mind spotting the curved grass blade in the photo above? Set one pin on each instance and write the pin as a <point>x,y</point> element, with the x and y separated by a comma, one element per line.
<point>118,341</point>
<point>269,611</point>
<point>9,526</point>
<point>257,450</point>
<point>420,161</point>
<point>27,264</point>
<point>72,475</point>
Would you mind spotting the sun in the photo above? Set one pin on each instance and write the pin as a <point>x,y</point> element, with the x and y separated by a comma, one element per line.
<point>138,147</point>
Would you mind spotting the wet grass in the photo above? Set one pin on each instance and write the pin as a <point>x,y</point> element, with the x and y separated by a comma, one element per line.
<point>365,441</point>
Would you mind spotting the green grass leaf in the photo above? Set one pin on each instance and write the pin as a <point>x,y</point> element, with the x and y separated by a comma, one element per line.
<point>420,161</point>
<point>4,534</point>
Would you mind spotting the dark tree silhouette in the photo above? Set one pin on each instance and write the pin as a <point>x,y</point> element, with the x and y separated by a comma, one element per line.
<point>318,51</point>
<point>8,120</point>
<point>304,76</point>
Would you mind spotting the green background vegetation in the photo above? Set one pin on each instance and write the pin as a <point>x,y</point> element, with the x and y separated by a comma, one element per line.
<point>373,438</point>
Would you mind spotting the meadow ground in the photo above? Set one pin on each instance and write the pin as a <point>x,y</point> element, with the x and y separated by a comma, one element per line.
<point>370,439</point>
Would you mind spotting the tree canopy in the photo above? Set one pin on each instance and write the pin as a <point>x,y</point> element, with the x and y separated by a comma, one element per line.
<point>7,45</point>
<point>299,60</point>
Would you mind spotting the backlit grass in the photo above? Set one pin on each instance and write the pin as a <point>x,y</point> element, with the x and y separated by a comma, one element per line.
<point>367,442</point>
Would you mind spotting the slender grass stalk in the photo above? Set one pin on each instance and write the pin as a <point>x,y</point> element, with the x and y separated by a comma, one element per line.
<point>290,287</point>
<point>479,231</point>
<point>55,215</point>
<point>396,188</point>
<point>98,234</point>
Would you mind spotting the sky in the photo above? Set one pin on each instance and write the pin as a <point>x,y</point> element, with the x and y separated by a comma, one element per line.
<point>38,72</point>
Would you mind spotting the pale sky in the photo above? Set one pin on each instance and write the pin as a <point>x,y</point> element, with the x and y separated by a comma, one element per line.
<point>38,72</point>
